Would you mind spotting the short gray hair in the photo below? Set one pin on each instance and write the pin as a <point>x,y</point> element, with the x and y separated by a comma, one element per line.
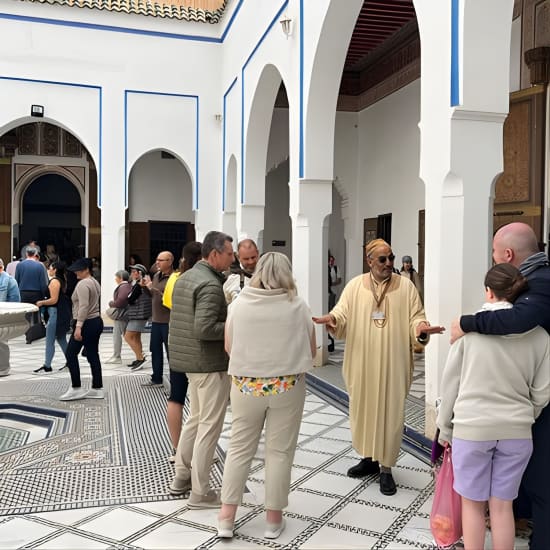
<point>122,274</point>
<point>274,271</point>
<point>214,240</point>
<point>31,251</point>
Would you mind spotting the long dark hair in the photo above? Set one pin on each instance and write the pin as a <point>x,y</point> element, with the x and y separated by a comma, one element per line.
<point>60,273</point>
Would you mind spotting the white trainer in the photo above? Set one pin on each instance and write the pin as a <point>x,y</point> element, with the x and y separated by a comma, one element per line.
<point>72,394</point>
<point>273,530</point>
<point>114,360</point>
<point>95,394</point>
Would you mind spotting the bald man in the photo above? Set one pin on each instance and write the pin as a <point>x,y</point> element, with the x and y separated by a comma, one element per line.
<point>517,244</point>
<point>161,315</point>
<point>248,254</point>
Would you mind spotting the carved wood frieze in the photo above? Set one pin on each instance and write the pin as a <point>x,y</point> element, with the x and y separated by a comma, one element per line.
<point>535,31</point>
<point>27,137</point>
<point>396,81</point>
<point>50,140</point>
<point>514,183</point>
<point>71,146</point>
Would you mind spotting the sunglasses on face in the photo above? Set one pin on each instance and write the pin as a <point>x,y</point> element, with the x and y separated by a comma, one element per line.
<point>384,259</point>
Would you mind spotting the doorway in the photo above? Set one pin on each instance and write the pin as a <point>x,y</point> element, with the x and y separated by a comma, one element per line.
<point>51,215</point>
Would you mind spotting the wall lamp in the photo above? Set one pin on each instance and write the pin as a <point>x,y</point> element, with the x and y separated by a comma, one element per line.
<point>286,25</point>
<point>37,110</point>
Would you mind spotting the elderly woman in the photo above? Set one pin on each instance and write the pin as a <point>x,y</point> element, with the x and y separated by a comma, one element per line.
<point>86,333</point>
<point>271,342</point>
<point>120,300</point>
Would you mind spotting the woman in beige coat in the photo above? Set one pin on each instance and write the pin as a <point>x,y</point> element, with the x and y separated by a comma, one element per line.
<point>270,339</point>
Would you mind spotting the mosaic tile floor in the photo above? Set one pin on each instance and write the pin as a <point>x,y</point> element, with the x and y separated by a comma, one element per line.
<point>100,480</point>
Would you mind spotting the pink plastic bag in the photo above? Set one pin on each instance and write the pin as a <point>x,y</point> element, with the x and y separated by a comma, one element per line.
<point>446,516</point>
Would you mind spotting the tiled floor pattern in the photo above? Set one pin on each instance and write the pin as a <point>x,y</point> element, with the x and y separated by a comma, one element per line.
<point>326,508</point>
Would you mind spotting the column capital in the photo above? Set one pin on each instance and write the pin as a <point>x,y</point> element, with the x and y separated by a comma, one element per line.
<point>538,61</point>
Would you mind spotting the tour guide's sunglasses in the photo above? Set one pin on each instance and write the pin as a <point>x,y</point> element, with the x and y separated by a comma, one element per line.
<point>383,259</point>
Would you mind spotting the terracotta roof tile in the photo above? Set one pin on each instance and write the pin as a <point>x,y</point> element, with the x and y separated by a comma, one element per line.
<point>203,11</point>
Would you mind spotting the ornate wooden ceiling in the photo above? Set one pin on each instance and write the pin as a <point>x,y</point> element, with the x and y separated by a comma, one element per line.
<point>378,21</point>
<point>383,54</point>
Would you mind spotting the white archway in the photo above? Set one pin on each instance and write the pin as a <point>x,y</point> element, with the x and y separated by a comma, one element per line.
<point>230,194</point>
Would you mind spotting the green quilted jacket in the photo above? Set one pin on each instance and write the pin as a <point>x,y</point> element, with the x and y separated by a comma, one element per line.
<point>197,321</point>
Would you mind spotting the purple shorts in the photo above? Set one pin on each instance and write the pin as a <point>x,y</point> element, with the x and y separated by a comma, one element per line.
<point>484,469</point>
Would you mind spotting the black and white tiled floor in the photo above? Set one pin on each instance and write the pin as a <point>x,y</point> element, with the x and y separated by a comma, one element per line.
<point>100,480</point>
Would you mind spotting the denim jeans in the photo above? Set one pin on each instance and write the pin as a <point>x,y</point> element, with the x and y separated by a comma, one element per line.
<point>159,336</point>
<point>51,328</point>
<point>91,331</point>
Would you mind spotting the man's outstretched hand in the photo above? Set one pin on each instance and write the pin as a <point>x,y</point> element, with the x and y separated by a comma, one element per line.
<point>328,320</point>
<point>425,328</point>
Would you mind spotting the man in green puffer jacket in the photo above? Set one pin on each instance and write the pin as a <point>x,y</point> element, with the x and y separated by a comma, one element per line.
<point>196,344</point>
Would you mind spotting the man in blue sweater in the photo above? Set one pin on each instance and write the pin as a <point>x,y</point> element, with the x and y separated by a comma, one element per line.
<point>517,244</point>
<point>32,278</point>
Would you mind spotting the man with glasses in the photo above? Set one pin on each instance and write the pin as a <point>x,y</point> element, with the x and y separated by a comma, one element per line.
<point>381,316</point>
<point>161,315</point>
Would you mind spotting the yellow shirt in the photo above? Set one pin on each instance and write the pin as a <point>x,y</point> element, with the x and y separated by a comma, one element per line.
<point>169,289</point>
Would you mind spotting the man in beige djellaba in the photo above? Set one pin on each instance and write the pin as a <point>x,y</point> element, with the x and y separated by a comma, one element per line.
<point>381,317</point>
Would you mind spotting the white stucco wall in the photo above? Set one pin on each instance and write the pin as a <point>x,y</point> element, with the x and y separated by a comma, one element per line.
<point>515,55</point>
<point>380,171</point>
<point>389,151</point>
<point>160,190</point>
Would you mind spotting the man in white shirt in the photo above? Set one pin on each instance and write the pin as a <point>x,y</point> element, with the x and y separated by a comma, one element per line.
<point>248,258</point>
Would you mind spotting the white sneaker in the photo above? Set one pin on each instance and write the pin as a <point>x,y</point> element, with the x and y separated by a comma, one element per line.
<point>114,360</point>
<point>95,394</point>
<point>273,530</point>
<point>72,394</point>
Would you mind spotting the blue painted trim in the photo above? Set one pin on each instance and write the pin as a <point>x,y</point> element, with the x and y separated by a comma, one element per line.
<point>301,150</point>
<point>455,54</point>
<point>125,30</point>
<point>230,23</point>
<point>224,183</point>
<point>125,149</point>
<point>56,82</point>
<point>242,135</point>
<point>163,94</point>
<point>197,158</point>
<point>254,50</point>
<point>100,173</point>
<point>100,136</point>
<point>109,28</point>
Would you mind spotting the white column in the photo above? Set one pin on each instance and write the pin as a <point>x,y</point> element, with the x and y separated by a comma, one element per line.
<point>112,194</point>
<point>310,206</point>
<point>461,156</point>
<point>250,222</point>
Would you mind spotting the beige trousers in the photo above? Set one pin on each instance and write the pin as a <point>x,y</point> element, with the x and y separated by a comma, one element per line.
<point>208,396</point>
<point>282,415</point>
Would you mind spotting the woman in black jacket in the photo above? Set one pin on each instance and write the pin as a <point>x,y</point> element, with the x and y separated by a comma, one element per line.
<point>139,311</point>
